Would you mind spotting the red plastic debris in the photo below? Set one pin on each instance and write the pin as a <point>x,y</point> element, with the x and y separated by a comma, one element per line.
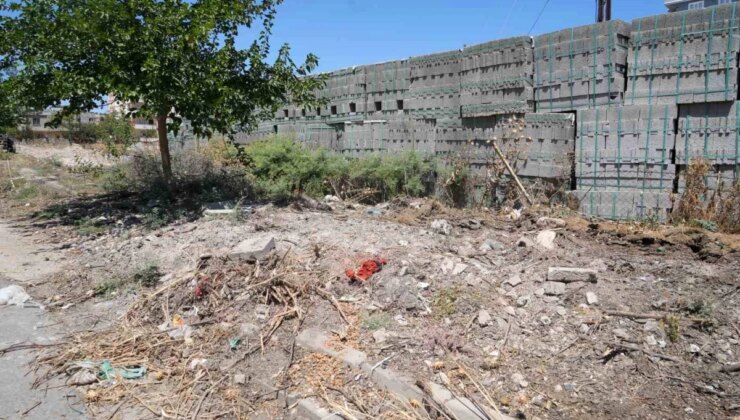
<point>201,289</point>
<point>367,269</point>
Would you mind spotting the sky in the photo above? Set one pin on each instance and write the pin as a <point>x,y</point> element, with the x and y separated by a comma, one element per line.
<point>344,33</point>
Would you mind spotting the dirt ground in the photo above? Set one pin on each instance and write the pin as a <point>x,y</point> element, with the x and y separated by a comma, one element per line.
<point>464,301</point>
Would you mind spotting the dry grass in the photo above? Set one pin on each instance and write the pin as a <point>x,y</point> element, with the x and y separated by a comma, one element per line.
<point>717,209</point>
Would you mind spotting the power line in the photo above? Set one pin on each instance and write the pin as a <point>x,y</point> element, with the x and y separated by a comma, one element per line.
<point>508,15</point>
<point>538,17</point>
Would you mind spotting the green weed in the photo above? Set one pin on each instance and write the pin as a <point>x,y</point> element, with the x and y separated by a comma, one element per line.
<point>377,321</point>
<point>147,276</point>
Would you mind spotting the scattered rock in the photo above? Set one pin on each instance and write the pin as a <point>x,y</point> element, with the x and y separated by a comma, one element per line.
<point>560,310</point>
<point>262,311</point>
<point>571,274</point>
<point>540,291</point>
<point>546,239</point>
<point>510,310</point>
<point>380,336</point>
<point>550,222</point>
<point>471,224</point>
<point>693,348</point>
<point>554,288</point>
<point>484,318</point>
<point>620,333</point>
<point>401,320</point>
<point>441,226</point>
<point>459,268</point>
<point>545,320</point>
<point>591,298</point>
<point>332,199</point>
<point>519,380</point>
<point>422,285</point>
<point>584,329</point>
<point>651,341</point>
<point>514,280</point>
<point>522,301</point>
<point>491,245</point>
<point>240,379</point>
<point>524,242</point>
<point>253,249</point>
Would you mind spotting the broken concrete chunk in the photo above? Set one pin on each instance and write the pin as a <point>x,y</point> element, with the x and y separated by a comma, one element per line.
<point>591,298</point>
<point>571,274</point>
<point>484,318</point>
<point>253,249</point>
<point>550,222</point>
<point>442,226</point>
<point>514,280</point>
<point>546,239</point>
<point>553,288</point>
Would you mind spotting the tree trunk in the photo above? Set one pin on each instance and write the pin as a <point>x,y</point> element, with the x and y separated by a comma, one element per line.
<point>164,147</point>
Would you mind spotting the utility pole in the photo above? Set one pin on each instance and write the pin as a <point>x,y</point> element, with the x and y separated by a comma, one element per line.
<point>603,10</point>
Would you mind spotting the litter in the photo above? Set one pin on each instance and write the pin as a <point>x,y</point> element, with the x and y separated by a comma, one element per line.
<point>13,295</point>
<point>367,269</point>
<point>234,343</point>
<point>86,372</point>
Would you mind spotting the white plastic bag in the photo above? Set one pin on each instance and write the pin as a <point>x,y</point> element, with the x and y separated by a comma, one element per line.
<point>13,295</point>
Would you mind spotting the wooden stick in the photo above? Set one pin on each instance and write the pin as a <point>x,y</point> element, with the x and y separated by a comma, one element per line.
<point>513,174</point>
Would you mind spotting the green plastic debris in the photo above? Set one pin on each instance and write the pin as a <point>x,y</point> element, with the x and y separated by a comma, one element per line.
<point>234,343</point>
<point>107,371</point>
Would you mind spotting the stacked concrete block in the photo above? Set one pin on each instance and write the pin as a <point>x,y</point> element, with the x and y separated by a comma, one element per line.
<point>386,89</point>
<point>359,138</point>
<point>496,78</point>
<point>581,67</point>
<point>345,96</point>
<point>434,88</point>
<point>684,58</point>
<point>624,160</point>
<point>406,134</point>
<point>625,204</point>
<point>317,135</point>
<point>709,132</point>
<point>536,145</point>
<point>450,137</point>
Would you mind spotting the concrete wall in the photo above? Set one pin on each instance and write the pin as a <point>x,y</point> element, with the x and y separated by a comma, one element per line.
<point>628,104</point>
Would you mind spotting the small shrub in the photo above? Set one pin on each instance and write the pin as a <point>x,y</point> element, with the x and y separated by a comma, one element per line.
<point>147,276</point>
<point>377,321</point>
<point>445,302</point>
<point>27,192</point>
<point>108,288</point>
<point>672,328</point>
<point>89,227</point>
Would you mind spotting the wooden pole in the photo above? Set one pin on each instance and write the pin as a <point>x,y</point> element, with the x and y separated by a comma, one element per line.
<point>513,174</point>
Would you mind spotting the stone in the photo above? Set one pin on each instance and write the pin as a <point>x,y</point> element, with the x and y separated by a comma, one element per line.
<point>524,242</point>
<point>570,387</point>
<point>560,310</point>
<point>331,199</point>
<point>240,378</point>
<point>441,226</point>
<point>401,320</point>
<point>540,291</point>
<point>693,348</point>
<point>651,341</point>
<point>253,249</point>
<point>571,274</point>
<point>554,288</point>
<point>620,333</point>
<point>546,239</point>
<point>403,271</point>
<point>519,380</point>
<point>484,318</point>
<point>491,245</point>
<point>514,280</point>
<point>459,268</point>
<point>380,336</point>
<point>522,301</point>
<point>510,310</point>
<point>550,222</point>
<point>651,325</point>
<point>545,320</point>
<point>591,298</point>
<point>262,311</point>
<point>584,329</point>
<point>447,266</point>
<point>467,251</point>
<point>422,285</point>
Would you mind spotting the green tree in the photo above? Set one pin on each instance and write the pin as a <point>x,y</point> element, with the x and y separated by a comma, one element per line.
<point>116,132</point>
<point>177,58</point>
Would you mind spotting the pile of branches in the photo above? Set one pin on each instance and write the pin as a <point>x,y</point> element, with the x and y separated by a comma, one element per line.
<point>194,312</point>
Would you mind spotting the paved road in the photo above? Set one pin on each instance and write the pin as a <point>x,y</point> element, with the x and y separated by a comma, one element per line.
<point>21,262</point>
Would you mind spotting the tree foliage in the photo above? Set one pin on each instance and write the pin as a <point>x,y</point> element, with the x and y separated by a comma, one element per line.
<point>178,58</point>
